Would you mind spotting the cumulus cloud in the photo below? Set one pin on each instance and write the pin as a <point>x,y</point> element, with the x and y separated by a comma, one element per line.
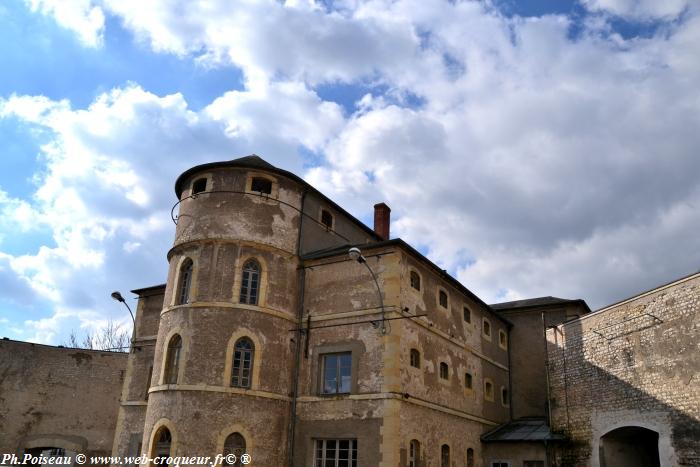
<point>643,10</point>
<point>529,156</point>
<point>105,192</point>
<point>83,17</point>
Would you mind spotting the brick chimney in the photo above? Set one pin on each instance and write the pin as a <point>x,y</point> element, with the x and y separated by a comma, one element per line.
<point>382,217</point>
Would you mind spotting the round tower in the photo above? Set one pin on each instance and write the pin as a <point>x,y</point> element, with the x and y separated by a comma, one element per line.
<point>222,371</point>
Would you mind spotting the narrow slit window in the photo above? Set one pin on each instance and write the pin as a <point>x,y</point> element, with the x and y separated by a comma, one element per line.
<point>468,381</point>
<point>261,185</point>
<point>415,358</point>
<point>444,370</point>
<point>199,186</point>
<point>413,453</point>
<point>250,283</point>
<point>243,354</point>
<point>172,359</point>
<point>184,282</point>
<point>470,457</point>
<point>445,456</point>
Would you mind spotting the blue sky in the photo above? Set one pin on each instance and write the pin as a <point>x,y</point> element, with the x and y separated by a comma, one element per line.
<point>529,147</point>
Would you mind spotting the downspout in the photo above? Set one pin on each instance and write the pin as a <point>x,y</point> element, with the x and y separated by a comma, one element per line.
<point>510,378</point>
<point>297,343</point>
<point>546,369</point>
<point>549,403</point>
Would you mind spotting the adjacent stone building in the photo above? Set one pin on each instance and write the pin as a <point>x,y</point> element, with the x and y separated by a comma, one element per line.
<point>56,400</point>
<point>625,381</point>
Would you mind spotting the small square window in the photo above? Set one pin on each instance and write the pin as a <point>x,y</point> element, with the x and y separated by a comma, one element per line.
<point>199,186</point>
<point>443,299</point>
<point>261,185</point>
<point>467,314</point>
<point>336,373</point>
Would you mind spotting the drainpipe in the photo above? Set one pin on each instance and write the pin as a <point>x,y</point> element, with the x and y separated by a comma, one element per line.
<point>510,377</point>
<point>297,344</point>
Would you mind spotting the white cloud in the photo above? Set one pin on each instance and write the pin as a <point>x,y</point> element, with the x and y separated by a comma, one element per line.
<point>536,162</point>
<point>83,17</point>
<point>106,191</point>
<point>639,9</point>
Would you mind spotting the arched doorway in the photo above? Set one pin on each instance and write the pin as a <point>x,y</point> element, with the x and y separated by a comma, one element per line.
<point>630,446</point>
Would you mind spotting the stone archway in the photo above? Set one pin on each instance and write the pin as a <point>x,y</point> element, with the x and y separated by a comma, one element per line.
<point>630,446</point>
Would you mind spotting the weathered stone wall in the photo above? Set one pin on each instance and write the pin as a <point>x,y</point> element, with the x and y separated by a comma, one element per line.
<point>528,354</point>
<point>58,397</point>
<point>134,398</point>
<point>635,363</point>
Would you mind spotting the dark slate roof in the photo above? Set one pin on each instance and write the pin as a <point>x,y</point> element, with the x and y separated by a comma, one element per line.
<point>533,302</point>
<point>523,429</point>
<point>145,290</point>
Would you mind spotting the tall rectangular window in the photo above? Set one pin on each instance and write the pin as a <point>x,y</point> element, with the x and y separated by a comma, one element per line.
<point>336,373</point>
<point>335,453</point>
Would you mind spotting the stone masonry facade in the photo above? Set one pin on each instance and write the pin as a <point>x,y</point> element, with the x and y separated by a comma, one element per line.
<point>635,363</point>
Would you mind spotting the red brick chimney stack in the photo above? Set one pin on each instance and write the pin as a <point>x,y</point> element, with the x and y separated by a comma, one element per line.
<point>382,217</point>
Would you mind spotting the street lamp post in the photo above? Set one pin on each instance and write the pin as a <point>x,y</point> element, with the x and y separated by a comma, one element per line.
<point>355,254</point>
<point>118,297</point>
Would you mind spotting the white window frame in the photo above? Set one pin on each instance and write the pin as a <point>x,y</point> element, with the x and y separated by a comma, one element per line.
<point>322,461</point>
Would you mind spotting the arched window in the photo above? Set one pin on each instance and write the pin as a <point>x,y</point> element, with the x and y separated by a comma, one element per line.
<point>161,446</point>
<point>234,444</point>
<point>250,282</point>
<point>415,280</point>
<point>241,375</point>
<point>415,358</point>
<point>442,299</point>
<point>445,456</point>
<point>413,453</point>
<point>184,282</point>
<point>172,359</point>
<point>470,457</point>
<point>444,370</point>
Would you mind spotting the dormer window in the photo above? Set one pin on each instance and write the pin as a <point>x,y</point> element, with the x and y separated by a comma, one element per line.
<point>261,185</point>
<point>199,186</point>
<point>327,219</point>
